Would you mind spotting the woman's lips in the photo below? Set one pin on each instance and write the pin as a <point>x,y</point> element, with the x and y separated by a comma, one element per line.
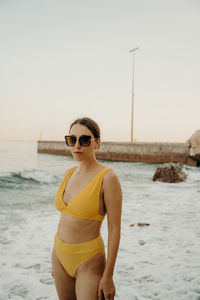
<point>78,152</point>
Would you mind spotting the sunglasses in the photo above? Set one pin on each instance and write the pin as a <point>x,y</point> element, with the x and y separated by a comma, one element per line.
<point>84,140</point>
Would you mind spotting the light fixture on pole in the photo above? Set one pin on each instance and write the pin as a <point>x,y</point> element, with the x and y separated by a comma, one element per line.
<point>132,110</point>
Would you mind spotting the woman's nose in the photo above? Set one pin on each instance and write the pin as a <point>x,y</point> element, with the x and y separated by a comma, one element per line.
<point>77,144</point>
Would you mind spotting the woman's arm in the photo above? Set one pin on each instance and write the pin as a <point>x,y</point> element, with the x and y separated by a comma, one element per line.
<point>113,203</point>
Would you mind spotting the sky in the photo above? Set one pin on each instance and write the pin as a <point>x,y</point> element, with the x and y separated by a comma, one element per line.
<point>61,60</point>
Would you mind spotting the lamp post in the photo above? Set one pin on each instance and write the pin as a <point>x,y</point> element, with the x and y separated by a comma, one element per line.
<point>132,110</point>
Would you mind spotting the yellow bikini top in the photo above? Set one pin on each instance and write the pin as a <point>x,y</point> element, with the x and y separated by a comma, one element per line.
<point>85,205</point>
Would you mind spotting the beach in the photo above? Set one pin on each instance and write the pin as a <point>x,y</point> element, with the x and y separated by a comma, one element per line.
<point>160,261</point>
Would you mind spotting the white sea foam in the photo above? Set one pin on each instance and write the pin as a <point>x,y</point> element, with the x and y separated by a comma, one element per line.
<point>37,175</point>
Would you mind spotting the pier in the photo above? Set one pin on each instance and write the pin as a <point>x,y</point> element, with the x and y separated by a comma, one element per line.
<point>130,152</point>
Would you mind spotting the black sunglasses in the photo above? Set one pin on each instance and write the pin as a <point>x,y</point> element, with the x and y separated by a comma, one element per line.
<point>84,140</point>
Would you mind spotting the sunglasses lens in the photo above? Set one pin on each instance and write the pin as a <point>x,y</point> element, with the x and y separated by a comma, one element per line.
<point>84,140</point>
<point>70,140</point>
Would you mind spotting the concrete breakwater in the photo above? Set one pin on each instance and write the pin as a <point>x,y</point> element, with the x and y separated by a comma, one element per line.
<point>132,152</point>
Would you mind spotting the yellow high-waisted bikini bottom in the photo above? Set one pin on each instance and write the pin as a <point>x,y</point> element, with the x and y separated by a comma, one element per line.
<point>71,256</point>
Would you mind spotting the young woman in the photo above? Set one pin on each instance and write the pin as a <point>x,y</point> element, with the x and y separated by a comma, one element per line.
<point>88,192</point>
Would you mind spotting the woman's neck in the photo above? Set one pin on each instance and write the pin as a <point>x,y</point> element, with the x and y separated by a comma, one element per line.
<point>87,165</point>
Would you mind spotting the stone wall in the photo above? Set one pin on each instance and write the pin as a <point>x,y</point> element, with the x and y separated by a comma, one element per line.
<point>135,152</point>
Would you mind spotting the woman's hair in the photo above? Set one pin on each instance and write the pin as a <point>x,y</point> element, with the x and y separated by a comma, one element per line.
<point>90,124</point>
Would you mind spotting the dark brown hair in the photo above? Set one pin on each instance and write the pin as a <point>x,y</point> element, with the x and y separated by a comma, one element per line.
<point>90,124</point>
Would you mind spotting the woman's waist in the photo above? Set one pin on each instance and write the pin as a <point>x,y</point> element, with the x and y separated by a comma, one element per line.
<point>81,247</point>
<point>75,231</point>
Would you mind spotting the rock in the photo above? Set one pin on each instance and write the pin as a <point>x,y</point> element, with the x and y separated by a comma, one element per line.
<point>143,224</point>
<point>169,172</point>
<point>194,146</point>
<point>165,228</point>
<point>141,242</point>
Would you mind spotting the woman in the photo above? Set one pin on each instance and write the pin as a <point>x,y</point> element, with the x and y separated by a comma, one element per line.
<point>87,193</point>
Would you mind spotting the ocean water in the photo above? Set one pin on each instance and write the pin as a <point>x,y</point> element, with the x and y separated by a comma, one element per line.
<point>159,262</point>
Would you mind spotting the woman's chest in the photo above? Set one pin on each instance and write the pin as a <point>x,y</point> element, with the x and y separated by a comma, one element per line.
<point>84,194</point>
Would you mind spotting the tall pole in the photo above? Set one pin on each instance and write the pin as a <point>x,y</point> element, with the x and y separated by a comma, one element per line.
<point>132,109</point>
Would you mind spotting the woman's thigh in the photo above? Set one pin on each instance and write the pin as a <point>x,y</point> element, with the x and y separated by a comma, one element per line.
<point>65,284</point>
<point>88,276</point>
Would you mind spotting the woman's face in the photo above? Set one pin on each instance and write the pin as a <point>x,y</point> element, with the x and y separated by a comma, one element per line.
<point>79,152</point>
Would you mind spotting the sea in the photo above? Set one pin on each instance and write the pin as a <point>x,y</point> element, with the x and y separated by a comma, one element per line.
<point>159,261</point>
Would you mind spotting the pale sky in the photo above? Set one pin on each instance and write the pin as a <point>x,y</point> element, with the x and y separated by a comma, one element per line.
<point>63,59</point>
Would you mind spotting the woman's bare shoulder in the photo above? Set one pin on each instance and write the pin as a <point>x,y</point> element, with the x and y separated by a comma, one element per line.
<point>110,177</point>
<point>67,172</point>
<point>112,189</point>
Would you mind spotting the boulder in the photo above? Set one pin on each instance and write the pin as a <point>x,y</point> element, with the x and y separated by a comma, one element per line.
<point>141,242</point>
<point>169,172</point>
<point>194,146</point>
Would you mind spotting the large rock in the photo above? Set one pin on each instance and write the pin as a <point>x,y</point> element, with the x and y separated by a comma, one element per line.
<point>169,172</point>
<point>194,146</point>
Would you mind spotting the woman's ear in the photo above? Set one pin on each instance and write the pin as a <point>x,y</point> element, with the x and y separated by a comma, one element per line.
<point>98,141</point>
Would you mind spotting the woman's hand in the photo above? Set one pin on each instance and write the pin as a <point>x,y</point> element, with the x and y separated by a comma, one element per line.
<point>106,288</point>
